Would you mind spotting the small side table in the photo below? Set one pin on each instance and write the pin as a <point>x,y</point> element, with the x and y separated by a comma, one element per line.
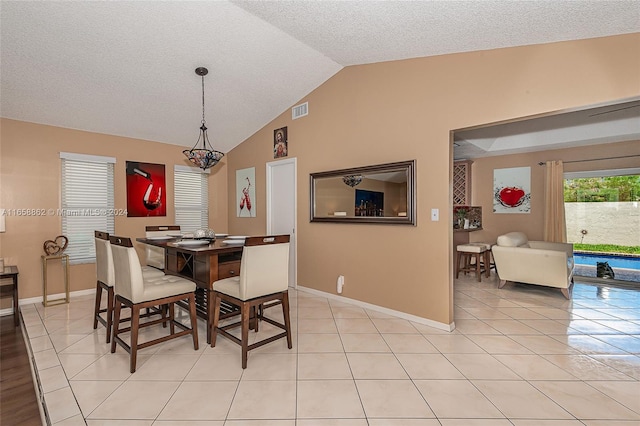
<point>11,272</point>
<point>64,258</point>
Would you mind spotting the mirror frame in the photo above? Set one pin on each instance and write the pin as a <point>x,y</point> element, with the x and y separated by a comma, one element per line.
<point>408,166</point>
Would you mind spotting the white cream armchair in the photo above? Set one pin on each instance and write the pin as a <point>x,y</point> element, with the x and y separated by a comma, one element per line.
<point>534,262</point>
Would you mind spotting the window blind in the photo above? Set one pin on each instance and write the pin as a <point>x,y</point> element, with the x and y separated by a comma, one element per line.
<point>87,203</point>
<point>191,198</point>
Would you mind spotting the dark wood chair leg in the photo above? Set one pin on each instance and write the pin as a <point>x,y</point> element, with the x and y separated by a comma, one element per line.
<point>96,310</point>
<point>208,294</point>
<point>116,324</point>
<point>172,317</point>
<point>254,318</point>
<point>110,302</point>
<point>194,320</point>
<point>216,318</point>
<point>287,319</point>
<point>245,311</point>
<point>135,325</point>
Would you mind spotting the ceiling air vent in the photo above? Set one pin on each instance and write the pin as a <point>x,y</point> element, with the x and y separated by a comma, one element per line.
<point>300,110</point>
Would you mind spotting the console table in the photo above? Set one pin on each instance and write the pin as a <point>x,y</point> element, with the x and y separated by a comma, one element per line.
<point>64,258</point>
<point>11,272</point>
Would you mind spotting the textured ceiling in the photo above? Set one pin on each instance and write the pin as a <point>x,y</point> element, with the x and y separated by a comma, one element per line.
<point>127,68</point>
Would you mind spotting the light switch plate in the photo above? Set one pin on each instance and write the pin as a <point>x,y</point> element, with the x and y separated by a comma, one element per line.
<point>435,215</point>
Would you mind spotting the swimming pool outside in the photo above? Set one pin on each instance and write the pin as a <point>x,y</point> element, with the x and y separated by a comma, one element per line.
<point>625,267</point>
<point>615,261</point>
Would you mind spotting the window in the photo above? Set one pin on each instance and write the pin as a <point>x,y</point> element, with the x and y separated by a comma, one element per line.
<point>191,198</point>
<point>87,203</point>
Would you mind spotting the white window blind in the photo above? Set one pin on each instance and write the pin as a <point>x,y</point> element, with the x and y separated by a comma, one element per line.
<point>191,198</point>
<point>87,203</point>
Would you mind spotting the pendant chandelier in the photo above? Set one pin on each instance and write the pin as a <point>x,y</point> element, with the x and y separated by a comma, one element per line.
<point>206,156</point>
<point>352,180</point>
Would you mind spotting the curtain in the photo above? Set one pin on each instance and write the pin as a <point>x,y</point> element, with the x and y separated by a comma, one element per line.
<point>555,227</point>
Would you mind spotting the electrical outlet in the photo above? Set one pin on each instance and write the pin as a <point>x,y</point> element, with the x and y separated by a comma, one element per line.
<point>340,283</point>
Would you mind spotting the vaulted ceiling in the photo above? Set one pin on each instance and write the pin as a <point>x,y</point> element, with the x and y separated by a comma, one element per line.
<point>127,68</point>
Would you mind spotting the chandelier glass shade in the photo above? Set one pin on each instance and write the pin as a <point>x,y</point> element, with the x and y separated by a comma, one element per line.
<point>352,180</point>
<point>206,156</point>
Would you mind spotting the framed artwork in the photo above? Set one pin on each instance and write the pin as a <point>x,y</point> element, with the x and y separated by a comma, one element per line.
<point>280,144</point>
<point>246,192</point>
<point>512,190</point>
<point>146,189</point>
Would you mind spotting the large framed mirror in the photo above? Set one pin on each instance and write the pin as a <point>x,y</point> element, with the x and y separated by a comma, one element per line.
<point>384,193</point>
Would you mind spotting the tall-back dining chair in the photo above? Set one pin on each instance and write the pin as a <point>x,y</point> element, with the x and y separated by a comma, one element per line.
<point>155,255</point>
<point>264,276</point>
<point>135,291</point>
<point>105,277</point>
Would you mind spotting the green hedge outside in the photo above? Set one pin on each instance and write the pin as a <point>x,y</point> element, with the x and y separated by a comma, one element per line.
<point>607,248</point>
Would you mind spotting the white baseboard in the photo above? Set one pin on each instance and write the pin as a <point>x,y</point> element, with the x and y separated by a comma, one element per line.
<point>365,305</point>
<point>39,299</point>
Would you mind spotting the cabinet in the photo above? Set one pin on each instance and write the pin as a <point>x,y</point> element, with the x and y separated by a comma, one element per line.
<point>462,183</point>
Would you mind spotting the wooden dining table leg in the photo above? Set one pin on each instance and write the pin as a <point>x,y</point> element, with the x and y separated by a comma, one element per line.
<point>210,310</point>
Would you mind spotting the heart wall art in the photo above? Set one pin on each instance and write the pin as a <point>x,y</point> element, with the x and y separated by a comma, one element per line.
<point>512,190</point>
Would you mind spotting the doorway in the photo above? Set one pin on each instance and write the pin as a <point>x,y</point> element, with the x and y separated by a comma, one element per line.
<point>281,206</point>
<point>602,209</point>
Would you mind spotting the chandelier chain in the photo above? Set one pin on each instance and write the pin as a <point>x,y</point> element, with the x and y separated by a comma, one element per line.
<point>203,122</point>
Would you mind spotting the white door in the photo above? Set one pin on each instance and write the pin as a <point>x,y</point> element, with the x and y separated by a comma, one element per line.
<point>281,206</point>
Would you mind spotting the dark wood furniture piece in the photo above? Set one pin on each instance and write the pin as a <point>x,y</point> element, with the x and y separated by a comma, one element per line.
<point>203,265</point>
<point>11,272</point>
<point>264,279</point>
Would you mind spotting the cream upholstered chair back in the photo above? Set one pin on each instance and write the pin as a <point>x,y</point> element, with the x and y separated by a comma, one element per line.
<point>129,282</point>
<point>513,239</point>
<point>155,255</point>
<point>104,259</point>
<point>265,266</point>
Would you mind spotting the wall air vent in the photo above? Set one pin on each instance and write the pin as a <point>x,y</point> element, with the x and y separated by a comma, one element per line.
<point>300,110</point>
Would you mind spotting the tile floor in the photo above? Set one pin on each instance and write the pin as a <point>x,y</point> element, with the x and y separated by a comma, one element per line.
<point>522,355</point>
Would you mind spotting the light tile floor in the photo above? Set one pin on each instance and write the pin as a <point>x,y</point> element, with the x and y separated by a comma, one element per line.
<point>522,356</point>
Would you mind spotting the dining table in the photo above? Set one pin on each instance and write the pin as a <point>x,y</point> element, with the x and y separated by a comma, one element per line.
<point>202,261</point>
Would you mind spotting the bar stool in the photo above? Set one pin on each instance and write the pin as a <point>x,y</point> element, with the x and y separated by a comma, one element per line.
<point>135,291</point>
<point>105,277</point>
<point>480,252</point>
<point>264,276</point>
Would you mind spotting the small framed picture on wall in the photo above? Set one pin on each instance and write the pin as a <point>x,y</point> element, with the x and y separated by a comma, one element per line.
<point>280,143</point>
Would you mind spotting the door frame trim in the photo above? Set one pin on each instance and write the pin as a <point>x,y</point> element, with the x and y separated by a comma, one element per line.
<point>269,167</point>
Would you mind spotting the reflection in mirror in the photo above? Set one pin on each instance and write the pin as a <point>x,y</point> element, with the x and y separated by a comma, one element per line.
<point>383,193</point>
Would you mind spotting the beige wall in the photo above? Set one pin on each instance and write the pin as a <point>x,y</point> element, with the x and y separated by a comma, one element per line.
<point>482,183</point>
<point>30,170</point>
<point>364,115</point>
<point>405,110</point>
